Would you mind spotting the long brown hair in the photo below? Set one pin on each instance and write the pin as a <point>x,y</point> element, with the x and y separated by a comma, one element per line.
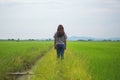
<point>60,30</point>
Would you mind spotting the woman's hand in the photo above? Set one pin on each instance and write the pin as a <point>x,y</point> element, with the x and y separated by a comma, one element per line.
<point>65,48</point>
<point>54,46</point>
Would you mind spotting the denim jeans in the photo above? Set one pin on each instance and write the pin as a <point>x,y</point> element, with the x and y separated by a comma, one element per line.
<point>60,50</point>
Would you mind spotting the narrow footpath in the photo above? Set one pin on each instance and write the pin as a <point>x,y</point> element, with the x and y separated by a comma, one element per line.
<point>50,68</point>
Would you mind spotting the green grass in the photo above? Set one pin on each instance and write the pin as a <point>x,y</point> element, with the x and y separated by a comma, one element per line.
<point>51,68</point>
<point>103,58</point>
<point>83,60</point>
<point>19,56</point>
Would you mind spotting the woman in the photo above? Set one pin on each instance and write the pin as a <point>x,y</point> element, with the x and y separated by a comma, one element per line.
<point>60,41</point>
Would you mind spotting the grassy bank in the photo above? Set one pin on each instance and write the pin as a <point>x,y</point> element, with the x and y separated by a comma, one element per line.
<point>19,56</point>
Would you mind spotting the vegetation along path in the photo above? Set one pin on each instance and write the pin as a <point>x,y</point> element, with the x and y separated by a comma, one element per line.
<point>50,68</point>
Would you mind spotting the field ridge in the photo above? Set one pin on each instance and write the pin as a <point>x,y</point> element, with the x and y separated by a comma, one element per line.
<point>29,66</point>
<point>20,56</point>
<point>51,68</point>
<point>40,56</point>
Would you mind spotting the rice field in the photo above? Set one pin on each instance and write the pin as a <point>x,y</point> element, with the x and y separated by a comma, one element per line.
<point>103,58</point>
<point>19,56</point>
<point>83,60</point>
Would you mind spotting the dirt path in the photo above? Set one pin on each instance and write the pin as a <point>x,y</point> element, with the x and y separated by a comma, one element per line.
<point>50,68</point>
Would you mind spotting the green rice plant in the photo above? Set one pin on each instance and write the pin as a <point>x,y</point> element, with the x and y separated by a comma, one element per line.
<point>20,56</point>
<point>103,58</point>
<point>51,68</point>
<point>83,60</point>
<point>73,67</point>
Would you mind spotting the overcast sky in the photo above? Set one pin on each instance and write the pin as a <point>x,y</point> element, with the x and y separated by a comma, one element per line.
<point>40,18</point>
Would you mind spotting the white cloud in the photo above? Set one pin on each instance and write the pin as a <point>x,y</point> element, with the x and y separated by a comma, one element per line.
<point>112,3</point>
<point>88,17</point>
<point>7,1</point>
<point>32,1</point>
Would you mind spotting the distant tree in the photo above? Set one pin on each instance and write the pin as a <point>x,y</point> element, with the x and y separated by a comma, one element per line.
<point>81,40</point>
<point>117,40</point>
<point>49,39</point>
<point>12,39</point>
<point>18,40</point>
<point>90,40</point>
<point>32,39</point>
<point>106,40</point>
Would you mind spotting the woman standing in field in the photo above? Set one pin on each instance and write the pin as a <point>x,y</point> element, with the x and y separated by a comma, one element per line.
<point>60,41</point>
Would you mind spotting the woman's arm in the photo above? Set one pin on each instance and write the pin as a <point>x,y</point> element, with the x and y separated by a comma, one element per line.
<point>65,43</point>
<point>54,43</point>
<point>65,38</point>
